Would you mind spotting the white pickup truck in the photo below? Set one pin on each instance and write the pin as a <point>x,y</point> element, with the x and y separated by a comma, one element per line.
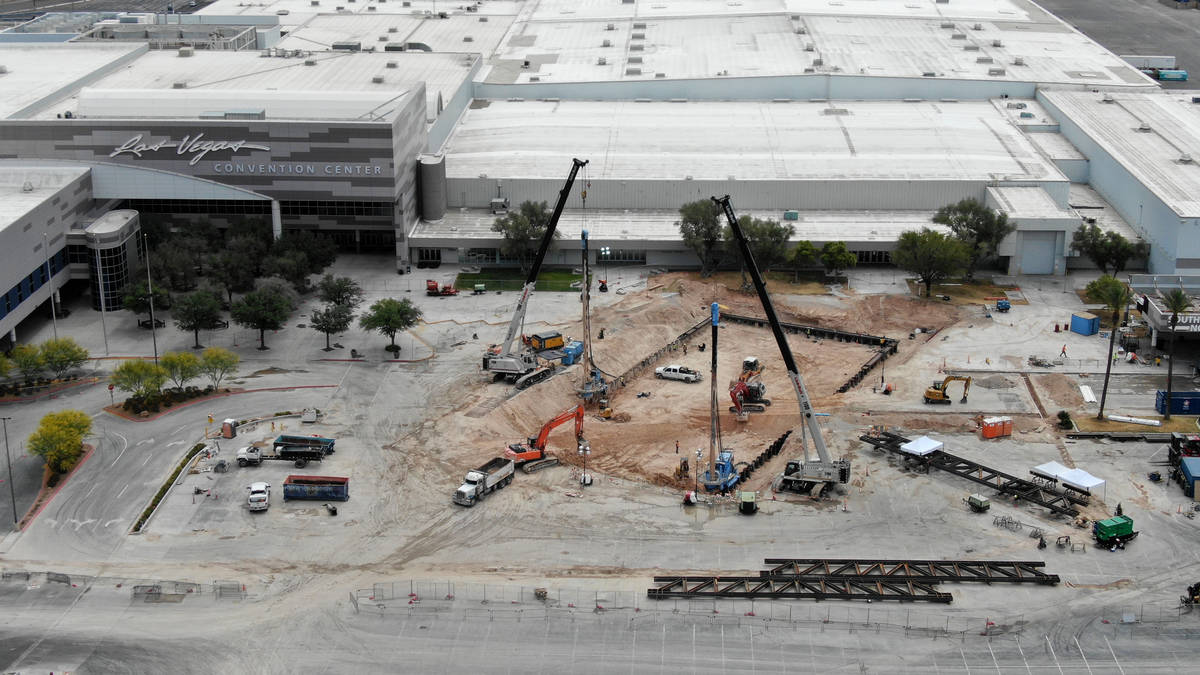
<point>676,372</point>
<point>478,482</point>
<point>259,498</point>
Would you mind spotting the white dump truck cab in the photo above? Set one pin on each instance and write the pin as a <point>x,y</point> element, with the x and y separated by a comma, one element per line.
<point>469,491</point>
<point>259,498</point>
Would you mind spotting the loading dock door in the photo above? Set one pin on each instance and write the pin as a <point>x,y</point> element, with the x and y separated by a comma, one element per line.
<point>1038,252</point>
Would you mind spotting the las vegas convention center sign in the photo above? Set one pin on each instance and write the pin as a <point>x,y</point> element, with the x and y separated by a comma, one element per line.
<point>196,149</point>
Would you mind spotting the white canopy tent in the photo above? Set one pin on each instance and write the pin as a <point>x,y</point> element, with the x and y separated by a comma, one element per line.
<point>1073,478</point>
<point>921,446</point>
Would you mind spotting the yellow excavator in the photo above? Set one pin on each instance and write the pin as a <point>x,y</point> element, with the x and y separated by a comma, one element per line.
<point>937,392</point>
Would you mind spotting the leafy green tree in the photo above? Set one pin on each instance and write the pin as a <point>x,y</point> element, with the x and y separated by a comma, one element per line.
<point>390,316</point>
<point>1107,249</point>
<point>197,311</point>
<point>217,363</point>
<point>339,291</point>
<point>61,355</point>
<point>979,227</point>
<point>138,377</point>
<point>522,231</point>
<point>5,366</point>
<point>332,319</point>
<point>175,265</point>
<point>256,229</point>
<point>930,255</point>
<point>196,244</point>
<point>180,367</point>
<point>59,439</point>
<point>320,252</point>
<point>137,298</point>
<point>766,239</point>
<point>1115,297</point>
<point>262,310</point>
<point>700,226</point>
<point>234,269</point>
<point>802,253</point>
<point>836,257</point>
<point>291,266</point>
<point>28,359</point>
<point>1176,302</point>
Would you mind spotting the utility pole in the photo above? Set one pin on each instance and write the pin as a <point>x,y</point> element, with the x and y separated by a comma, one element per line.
<point>11,488</point>
<point>150,292</point>
<point>49,280</point>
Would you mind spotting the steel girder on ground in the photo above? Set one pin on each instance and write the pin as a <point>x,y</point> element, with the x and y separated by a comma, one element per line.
<point>930,571</point>
<point>816,588</point>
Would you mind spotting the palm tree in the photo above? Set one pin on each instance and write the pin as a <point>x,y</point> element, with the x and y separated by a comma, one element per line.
<point>1116,298</point>
<point>1174,301</point>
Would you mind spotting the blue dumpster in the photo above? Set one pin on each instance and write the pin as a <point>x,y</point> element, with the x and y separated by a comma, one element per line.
<point>1085,324</point>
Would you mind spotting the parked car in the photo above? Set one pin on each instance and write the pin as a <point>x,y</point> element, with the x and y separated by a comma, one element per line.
<point>158,323</point>
<point>677,372</point>
<point>259,498</point>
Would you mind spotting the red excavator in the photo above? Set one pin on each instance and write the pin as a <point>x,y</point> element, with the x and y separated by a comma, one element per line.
<point>748,392</point>
<point>531,456</point>
<point>431,288</point>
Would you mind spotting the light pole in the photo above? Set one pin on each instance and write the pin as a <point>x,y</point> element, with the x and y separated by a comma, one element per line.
<point>584,450</point>
<point>8,459</point>
<point>606,253</point>
<point>103,300</point>
<point>49,280</point>
<point>150,293</point>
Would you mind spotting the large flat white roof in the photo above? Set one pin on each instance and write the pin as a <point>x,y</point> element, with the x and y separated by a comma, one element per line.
<point>659,225</point>
<point>42,183</point>
<point>272,81</point>
<point>1027,202</point>
<point>38,71</point>
<point>1152,155</point>
<point>749,140</point>
<point>468,33</point>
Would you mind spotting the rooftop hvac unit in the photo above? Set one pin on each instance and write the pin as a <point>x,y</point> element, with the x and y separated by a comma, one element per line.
<point>1019,61</point>
<point>534,78</point>
<point>339,8</point>
<point>836,111</point>
<point>977,26</point>
<point>1185,158</point>
<point>468,38</point>
<point>818,62</point>
<point>310,62</point>
<point>1015,105</point>
<point>392,64</point>
<point>995,71</point>
<point>371,8</point>
<point>606,43</point>
<point>1195,99</point>
<point>635,59</point>
<point>179,85</point>
<point>347,46</point>
<point>383,38</point>
<point>406,3</point>
<point>1144,127</point>
<point>801,30</point>
<point>638,36</point>
<point>929,73</point>
<point>941,2</point>
<point>602,61</point>
<point>315,3</point>
<point>660,74</point>
<point>637,48</point>
<point>947,24</point>
<point>959,36</point>
<point>3,70</point>
<point>997,43</point>
<point>639,26</point>
<point>810,47</point>
<point>378,79</point>
<point>1026,115</point>
<point>633,71</point>
<point>483,19</point>
<point>1108,98</point>
<point>610,27</point>
<point>393,47</point>
<point>913,100</point>
<point>970,48</point>
<point>186,51</point>
<point>983,59</point>
<point>391,29</point>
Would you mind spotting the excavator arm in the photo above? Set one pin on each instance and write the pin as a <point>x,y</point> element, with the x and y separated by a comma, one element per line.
<point>535,449</point>
<point>824,469</point>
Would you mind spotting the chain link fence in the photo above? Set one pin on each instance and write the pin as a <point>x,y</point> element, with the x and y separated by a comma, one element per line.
<point>140,590</point>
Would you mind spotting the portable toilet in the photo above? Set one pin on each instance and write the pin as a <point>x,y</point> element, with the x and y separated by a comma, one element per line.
<point>997,427</point>
<point>229,428</point>
<point>1085,323</point>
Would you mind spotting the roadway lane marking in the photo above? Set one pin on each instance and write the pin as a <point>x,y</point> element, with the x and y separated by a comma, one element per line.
<point>148,457</point>
<point>126,442</point>
<point>143,442</point>
<point>181,428</point>
<point>89,492</point>
<point>122,491</point>
<point>110,522</point>
<point>174,443</point>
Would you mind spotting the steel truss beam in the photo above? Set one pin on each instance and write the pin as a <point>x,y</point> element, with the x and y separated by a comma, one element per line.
<point>930,571</point>
<point>829,588</point>
<point>1005,484</point>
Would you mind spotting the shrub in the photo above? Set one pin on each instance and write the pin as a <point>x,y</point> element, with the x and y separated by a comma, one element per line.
<point>1064,420</point>
<point>162,491</point>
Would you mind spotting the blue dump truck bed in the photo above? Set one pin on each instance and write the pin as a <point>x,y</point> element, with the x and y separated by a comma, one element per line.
<point>324,488</point>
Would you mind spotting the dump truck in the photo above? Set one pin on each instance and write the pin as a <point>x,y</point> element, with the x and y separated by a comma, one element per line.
<point>488,478</point>
<point>1114,532</point>
<point>325,488</point>
<point>325,445</point>
<point>299,456</point>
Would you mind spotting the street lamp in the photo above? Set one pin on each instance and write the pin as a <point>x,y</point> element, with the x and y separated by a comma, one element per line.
<point>585,451</point>
<point>150,293</point>
<point>8,459</point>
<point>606,253</point>
<point>49,279</point>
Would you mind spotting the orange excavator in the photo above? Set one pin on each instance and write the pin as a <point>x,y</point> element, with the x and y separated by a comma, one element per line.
<point>748,392</point>
<point>531,456</point>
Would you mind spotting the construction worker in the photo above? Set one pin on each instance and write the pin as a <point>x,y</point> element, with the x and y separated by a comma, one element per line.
<point>677,447</point>
<point>1064,352</point>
